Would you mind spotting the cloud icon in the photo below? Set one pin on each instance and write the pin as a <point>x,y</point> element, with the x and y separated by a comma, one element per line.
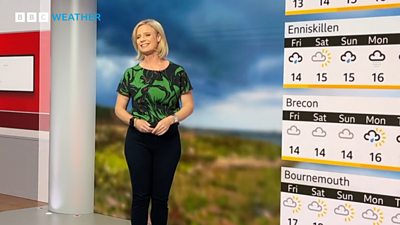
<point>318,57</point>
<point>396,219</point>
<point>295,58</point>
<point>372,136</point>
<point>370,215</point>
<point>314,206</point>
<point>290,203</point>
<point>346,134</point>
<point>377,56</point>
<point>341,210</point>
<point>293,130</point>
<point>348,57</point>
<point>319,132</point>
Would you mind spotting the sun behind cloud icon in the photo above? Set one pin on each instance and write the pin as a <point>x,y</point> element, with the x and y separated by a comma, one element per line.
<point>289,202</point>
<point>347,211</point>
<point>319,206</point>
<point>375,215</point>
<point>377,137</point>
<point>314,206</point>
<point>324,57</point>
<point>294,203</point>
<point>370,215</point>
<point>318,57</point>
<point>341,210</point>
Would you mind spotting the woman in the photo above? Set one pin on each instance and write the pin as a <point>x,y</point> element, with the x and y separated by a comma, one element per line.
<point>152,145</point>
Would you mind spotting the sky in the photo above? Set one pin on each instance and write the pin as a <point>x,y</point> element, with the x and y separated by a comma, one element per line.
<point>232,51</point>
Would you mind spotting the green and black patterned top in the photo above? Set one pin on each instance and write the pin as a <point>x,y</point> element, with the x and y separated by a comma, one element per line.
<point>155,94</point>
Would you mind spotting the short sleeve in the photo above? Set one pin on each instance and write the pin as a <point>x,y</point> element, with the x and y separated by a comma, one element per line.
<point>185,85</point>
<point>123,86</point>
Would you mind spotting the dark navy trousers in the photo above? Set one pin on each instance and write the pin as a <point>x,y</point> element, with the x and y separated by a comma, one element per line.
<point>152,161</point>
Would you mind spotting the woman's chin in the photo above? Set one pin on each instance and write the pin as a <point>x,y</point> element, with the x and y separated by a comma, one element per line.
<point>147,52</point>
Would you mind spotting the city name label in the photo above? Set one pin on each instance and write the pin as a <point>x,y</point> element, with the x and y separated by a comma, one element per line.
<point>347,131</point>
<point>343,54</point>
<point>329,198</point>
<point>297,7</point>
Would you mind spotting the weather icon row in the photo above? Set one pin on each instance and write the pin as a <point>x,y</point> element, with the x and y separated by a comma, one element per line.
<point>346,211</point>
<point>325,56</point>
<point>375,136</point>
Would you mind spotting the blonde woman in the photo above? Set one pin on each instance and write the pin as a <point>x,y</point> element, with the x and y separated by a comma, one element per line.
<point>161,95</point>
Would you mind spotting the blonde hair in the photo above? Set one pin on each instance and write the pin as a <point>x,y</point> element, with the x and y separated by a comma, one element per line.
<point>162,48</point>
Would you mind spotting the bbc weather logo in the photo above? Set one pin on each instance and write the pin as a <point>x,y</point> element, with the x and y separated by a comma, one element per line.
<point>44,17</point>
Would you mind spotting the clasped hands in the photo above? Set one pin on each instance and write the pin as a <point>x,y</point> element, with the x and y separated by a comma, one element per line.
<point>160,129</point>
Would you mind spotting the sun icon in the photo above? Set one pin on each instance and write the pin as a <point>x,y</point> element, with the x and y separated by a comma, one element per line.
<point>324,210</point>
<point>297,209</point>
<point>328,58</point>
<point>380,216</point>
<point>382,133</point>
<point>351,215</point>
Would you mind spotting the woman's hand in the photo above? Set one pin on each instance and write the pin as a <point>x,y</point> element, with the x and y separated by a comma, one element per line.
<point>143,126</point>
<point>163,125</point>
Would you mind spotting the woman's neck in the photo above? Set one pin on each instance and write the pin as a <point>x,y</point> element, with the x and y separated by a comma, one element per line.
<point>154,62</point>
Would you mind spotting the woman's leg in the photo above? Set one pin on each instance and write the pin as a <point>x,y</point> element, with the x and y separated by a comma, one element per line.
<point>139,159</point>
<point>166,158</point>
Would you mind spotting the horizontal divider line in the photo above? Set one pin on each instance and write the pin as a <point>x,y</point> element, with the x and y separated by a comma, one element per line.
<point>338,163</point>
<point>341,9</point>
<point>341,86</point>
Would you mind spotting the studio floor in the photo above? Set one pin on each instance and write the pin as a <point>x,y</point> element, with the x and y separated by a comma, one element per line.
<point>17,211</point>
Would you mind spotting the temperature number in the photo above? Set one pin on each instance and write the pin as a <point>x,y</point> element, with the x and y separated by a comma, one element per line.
<point>298,3</point>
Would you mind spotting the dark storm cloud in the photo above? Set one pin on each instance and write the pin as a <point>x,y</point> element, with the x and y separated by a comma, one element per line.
<point>217,41</point>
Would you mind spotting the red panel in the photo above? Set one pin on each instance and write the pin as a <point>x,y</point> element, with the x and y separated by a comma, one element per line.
<point>44,100</point>
<point>28,121</point>
<point>21,44</point>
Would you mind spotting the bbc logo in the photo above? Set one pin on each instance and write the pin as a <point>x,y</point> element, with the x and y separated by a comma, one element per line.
<point>31,17</point>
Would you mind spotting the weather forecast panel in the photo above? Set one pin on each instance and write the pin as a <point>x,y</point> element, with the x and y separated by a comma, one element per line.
<point>297,7</point>
<point>17,73</point>
<point>347,131</point>
<point>311,197</point>
<point>343,53</point>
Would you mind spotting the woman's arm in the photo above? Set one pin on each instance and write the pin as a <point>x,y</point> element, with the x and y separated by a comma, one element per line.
<point>125,116</point>
<point>187,106</point>
<point>120,109</point>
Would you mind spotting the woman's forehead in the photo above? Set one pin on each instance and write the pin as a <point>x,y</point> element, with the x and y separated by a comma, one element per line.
<point>145,28</point>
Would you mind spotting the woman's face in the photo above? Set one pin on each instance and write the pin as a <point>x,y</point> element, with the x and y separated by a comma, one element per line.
<point>147,39</point>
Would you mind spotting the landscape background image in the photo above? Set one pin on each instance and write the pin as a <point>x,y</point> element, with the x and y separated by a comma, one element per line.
<point>229,173</point>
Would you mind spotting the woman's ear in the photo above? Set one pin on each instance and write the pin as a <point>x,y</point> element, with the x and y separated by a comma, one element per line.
<point>158,37</point>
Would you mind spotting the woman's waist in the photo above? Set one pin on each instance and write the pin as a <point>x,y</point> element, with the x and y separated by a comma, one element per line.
<point>152,120</point>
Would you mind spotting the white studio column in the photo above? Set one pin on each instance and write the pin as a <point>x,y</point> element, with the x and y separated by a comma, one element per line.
<point>73,109</point>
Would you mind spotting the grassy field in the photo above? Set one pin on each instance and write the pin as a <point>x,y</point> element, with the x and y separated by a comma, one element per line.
<point>220,180</point>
